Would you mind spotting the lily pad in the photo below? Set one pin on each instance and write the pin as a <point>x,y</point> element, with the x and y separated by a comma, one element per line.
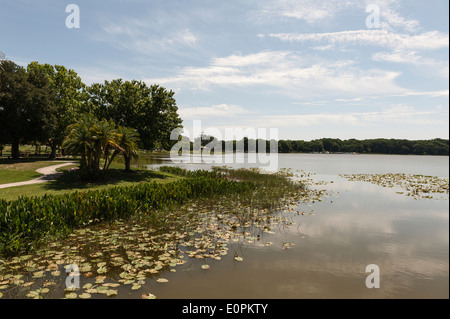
<point>85,295</point>
<point>43,290</point>
<point>162,280</point>
<point>102,270</point>
<point>87,286</point>
<point>111,292</point>
<point>71,295</point>
<point>39,274</point>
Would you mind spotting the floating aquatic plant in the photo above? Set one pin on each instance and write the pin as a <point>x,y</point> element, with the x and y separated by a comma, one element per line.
<point>416,186</point>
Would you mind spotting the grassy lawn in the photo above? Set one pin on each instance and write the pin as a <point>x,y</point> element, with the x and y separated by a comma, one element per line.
<point>71,182</point>
<point>21,170</point>
<point>12,171</point>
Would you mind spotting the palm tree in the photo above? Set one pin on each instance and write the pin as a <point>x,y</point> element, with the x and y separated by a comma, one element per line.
<point>127,145</point>
<point>94,140</point>
<point>80,140</point>
<point>106,141</point>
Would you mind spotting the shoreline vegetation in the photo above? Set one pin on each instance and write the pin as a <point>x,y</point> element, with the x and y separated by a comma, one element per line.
<point>435,146</point>
<point>379,146</point>
<point>124,236</point>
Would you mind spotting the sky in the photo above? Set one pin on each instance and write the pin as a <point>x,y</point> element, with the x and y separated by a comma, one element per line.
<point>309,68</point>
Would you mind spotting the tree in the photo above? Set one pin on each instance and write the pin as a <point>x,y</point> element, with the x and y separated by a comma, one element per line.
<point>152,111</point>
<point>67,98</point>
<point>128,142</point>
<point>96,140</point>
<point>106,141</point>
<point>25,101</point>
<point>80,140</point>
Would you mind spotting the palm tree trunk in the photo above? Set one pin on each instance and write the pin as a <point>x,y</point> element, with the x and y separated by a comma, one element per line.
<point>127,163</point>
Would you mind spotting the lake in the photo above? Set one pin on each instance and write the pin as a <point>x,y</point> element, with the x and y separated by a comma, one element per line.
<point>358,224</point>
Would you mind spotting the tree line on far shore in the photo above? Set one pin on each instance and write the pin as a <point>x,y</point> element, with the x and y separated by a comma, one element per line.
<point>334,145</point>
<point>369,146</point>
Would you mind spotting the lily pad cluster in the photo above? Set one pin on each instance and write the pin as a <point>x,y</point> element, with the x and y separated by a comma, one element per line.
<point>416,186</point>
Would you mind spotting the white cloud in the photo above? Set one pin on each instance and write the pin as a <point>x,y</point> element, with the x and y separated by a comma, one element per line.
<point>396,114</point>
<point>412,57</point>
<point>149,34</point>
<point>438,93</point>
<point>288,73</point>
<point>391,19</point>
<point>251,59</point>
<point>314,11</point>
<point>425,41</point>
<point>221,110</point>
<point>308,10</point>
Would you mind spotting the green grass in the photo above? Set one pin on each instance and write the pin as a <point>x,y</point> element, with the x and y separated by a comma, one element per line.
<point>21,170</point>
<point>12,171</point>
<point>70,182</point>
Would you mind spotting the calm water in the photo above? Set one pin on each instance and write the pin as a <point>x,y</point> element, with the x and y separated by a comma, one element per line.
<point>359,224</point>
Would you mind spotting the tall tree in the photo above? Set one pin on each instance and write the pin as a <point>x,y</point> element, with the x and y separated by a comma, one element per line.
<point>67,98</point>
<point>23,105</point>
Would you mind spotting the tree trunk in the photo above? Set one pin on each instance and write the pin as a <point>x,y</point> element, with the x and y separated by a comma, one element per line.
<point>127,163</point>
<point>53,152</point>
<point>15,149</point>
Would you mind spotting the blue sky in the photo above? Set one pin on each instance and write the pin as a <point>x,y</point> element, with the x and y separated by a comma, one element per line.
<point>311,68</point>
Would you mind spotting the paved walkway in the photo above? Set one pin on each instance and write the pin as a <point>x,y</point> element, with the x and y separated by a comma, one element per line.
<point>49,174</point>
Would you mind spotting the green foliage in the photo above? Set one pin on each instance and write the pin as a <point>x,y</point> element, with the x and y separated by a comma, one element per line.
<point>376,146</point>
<point>40,102</point>
<point>152,111</point>
<point>30,220</point>
<point>66,99</point>
<point>128,142</point>
<point>96,140</point>
<point>25,102</point>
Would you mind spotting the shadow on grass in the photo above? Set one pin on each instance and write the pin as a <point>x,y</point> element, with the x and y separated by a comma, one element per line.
<point>72,179</point>
<point>9,161</point>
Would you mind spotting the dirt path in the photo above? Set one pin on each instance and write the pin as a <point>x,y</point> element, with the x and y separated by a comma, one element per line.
<point>49,174</point>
